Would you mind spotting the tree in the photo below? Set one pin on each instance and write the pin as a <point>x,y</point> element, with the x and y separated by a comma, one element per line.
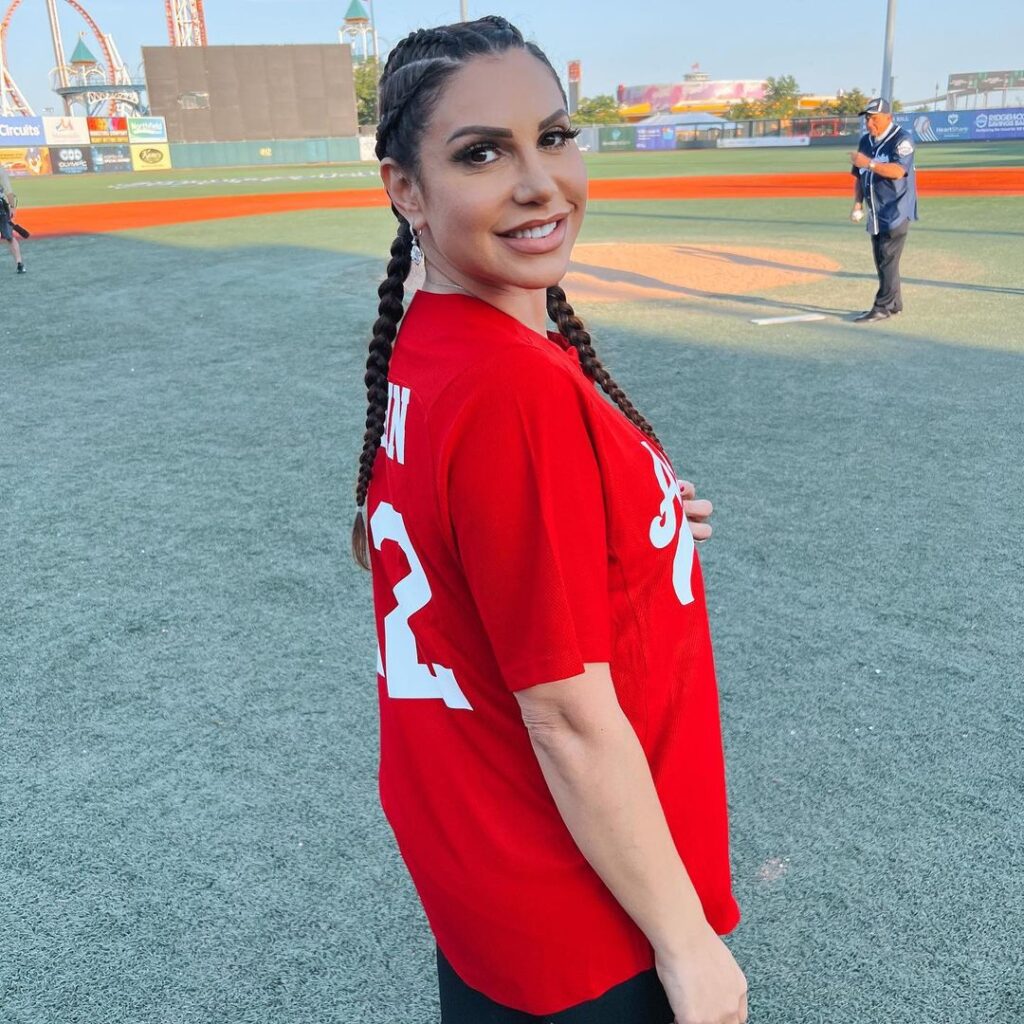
<point>781,96</point>
<point>367,74</point>
<point>846,104</point>
<point>745,110</point>
<point>598,110</point>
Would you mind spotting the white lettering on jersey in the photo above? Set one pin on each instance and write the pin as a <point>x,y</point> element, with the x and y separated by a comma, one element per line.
<point>394,422</point>
<point>406,676</point>
<point>666,526</point>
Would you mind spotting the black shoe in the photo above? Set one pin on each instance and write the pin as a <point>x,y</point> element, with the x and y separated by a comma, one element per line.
<point>21,268</point>
<point>871,316</point>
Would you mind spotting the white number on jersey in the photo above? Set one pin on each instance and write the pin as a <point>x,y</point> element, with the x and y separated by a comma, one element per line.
<point>407,677</point>
<point>667,526</point>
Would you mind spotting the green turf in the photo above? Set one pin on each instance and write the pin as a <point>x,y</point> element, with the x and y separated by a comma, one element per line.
<point>188,811</point>
<point>60,190</point>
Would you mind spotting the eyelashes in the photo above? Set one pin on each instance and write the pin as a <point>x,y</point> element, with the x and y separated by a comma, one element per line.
<point>470,154</point>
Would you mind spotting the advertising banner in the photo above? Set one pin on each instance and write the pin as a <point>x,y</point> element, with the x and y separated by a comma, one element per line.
<point>764,142</point>
<point>111,158</point>
<point>964,125</point>
<point>617,138</point>
<point>66,131</point>
<point>147,129</point>
<point>108,131</point>
<point>22,131</point>
<point>25,162</point>
<point>665,97</point>
<point>984,81</point>
<point>71,159</point>
<point>655,136</point>
<point>156,157</point>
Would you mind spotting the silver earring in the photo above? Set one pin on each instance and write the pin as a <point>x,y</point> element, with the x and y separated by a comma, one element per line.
<point>416,252</point>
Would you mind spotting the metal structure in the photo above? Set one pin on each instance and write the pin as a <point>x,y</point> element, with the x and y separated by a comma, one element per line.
<point>890,36</point>
<point>359,31</point>
<point>98,85</point>
<point>186,22</point>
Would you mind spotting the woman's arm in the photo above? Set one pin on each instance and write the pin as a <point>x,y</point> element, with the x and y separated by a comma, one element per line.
<point>601,783</point>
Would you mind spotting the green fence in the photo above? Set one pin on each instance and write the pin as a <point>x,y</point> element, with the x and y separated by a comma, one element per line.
<point>272,153</point>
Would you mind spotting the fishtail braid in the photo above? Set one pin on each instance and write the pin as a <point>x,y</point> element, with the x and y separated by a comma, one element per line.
<point>570,326</point>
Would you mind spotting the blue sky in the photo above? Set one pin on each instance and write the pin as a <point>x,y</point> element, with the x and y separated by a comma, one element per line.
<point>827,45</point>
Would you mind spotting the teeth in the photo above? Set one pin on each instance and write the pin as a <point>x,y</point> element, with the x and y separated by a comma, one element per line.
<point>542,232</point>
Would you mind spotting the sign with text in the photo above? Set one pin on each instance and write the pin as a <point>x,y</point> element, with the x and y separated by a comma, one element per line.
<point>66,131</point>
<point>155,157</point>
<point>147,129</point>
<point>108,131</point>
<point>111,158</point>
<point>617,138</point>
<point>964,125</point>
<point>655,136</point>
<point>25,161</point>
<point>71,159</point>
<point>22,131</point>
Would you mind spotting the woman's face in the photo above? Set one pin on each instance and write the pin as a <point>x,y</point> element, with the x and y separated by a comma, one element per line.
<point>502,188</point>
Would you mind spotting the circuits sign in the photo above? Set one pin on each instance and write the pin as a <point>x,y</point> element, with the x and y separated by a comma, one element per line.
<point>22,131</point>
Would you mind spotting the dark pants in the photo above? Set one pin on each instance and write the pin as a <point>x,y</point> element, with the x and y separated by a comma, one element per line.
<point>887,247</point>
<point>640,1000</point>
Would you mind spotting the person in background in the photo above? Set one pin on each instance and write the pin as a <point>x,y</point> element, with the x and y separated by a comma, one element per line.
<point>8,229</point>
<point>886,184</point>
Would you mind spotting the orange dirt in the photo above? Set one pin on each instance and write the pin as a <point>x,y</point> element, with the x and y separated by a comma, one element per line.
<point>104,217</point>
<point>623,272</point>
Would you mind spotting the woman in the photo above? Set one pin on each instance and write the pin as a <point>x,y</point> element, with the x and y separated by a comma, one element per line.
<point>551,759</point>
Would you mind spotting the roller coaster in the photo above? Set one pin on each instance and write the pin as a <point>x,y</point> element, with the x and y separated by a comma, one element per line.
<point>97,85</point>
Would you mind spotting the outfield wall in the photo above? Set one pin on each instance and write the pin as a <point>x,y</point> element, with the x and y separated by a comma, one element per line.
<point>37,146</point>
<point>924,126</point>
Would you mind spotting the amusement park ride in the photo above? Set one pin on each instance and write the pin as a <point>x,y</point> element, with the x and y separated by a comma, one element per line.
<point>104,85</point>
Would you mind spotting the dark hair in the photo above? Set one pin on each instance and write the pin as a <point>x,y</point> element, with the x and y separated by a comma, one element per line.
<point>410,86</point>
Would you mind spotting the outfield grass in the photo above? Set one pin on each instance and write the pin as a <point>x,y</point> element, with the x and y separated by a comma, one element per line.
<point>191,831</point>
<point>61,190</point>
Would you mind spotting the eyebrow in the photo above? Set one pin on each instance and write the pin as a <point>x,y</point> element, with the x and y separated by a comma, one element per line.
<point>503,133</point>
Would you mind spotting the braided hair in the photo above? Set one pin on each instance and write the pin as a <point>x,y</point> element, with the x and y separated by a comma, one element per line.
<point>411,84</point>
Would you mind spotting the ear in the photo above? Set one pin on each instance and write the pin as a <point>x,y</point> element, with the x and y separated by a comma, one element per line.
<point>404,193</point>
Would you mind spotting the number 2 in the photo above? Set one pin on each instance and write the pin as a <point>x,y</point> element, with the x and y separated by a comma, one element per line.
<point>407,677</point>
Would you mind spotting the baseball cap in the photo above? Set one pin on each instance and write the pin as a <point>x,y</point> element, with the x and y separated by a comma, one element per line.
<point>878,106</point>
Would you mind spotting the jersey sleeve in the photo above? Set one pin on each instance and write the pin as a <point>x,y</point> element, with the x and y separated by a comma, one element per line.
<point>525,503</point>
<point>903,153</point>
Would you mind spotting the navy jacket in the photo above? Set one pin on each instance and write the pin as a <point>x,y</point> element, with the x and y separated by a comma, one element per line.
<point>889,201</point>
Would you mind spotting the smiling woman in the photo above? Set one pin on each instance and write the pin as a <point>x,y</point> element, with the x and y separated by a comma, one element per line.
<point>551,755</point>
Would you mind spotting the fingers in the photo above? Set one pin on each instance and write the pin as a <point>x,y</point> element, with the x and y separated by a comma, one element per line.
<point>699,509</point>
<point>687,490</point>
<point>700,531</point>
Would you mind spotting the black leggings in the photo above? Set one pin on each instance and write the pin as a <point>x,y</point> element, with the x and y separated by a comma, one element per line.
<point>640,1000</point>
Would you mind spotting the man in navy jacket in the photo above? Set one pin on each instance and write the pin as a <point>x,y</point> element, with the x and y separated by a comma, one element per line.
<point>886,184</point>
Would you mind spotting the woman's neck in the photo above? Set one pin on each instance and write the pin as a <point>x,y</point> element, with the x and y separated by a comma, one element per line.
<point>527,305</point>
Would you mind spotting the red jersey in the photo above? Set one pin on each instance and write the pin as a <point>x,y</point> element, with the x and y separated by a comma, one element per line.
<point>519,527</point>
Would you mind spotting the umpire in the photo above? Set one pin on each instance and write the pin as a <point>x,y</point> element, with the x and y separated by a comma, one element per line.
<point>885,182</point>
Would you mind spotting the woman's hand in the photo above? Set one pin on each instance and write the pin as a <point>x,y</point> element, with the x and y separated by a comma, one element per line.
<point>703,982</point>
<point>697,512</point>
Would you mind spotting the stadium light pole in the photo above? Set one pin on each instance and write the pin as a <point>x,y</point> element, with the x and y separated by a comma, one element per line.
<point>890,34</point>
<point>464,10</point>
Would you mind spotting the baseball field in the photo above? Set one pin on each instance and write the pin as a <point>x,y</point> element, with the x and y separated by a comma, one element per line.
<point>190,830</point>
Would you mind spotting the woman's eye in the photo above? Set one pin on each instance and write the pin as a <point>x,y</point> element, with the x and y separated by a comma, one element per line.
<point>558,137</point>
<point>480,155</point>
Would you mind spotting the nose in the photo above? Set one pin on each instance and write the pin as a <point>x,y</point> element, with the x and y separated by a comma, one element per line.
<point>535,186</point>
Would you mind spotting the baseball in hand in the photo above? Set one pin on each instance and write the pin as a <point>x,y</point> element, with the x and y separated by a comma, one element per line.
<point>857,215</point>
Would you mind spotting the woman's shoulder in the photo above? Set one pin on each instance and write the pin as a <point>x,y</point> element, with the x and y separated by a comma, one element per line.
<point>473,347</point>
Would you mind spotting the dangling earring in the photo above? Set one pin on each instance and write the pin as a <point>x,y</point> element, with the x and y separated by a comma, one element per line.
<point>416,252</point>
